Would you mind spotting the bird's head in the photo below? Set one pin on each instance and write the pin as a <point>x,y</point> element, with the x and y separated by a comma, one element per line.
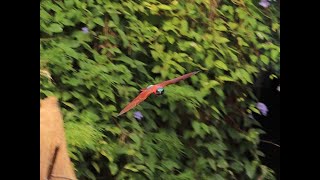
<point>160,91</point>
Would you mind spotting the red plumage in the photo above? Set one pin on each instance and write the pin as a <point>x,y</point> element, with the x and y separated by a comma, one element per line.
<point>145,93</point>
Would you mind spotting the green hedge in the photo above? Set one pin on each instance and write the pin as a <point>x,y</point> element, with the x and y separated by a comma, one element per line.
<point>97,54</point>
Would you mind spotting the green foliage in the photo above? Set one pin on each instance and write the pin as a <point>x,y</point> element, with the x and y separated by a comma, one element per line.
<point>185,134</point>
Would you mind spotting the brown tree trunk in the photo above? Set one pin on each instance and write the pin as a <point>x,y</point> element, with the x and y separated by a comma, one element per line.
<point>54,159</point>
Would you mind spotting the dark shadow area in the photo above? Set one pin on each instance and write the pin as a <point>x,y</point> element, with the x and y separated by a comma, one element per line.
<point>268,94</point>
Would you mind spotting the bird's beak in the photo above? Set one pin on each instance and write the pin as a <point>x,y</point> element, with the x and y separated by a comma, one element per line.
<point>197,72</point>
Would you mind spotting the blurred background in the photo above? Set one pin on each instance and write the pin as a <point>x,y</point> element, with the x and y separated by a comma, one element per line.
<point>223,123</point>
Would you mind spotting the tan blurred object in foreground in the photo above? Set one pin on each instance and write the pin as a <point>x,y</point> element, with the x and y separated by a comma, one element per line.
<point>55,163</point>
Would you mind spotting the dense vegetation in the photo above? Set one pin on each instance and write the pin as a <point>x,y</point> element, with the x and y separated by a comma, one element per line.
<point>97,54</point>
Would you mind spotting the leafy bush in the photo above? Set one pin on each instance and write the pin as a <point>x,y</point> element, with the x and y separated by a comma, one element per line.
<point>96,55</point>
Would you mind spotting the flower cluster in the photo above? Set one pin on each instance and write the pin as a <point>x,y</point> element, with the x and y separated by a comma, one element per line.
<point>262,108</point>
<point>85,30</point>
<point>264,3</point>
<point>138,115</point>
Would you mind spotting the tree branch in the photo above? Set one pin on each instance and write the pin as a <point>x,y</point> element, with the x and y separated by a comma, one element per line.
<point>269,142</point>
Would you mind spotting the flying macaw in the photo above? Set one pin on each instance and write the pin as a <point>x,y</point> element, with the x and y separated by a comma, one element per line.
<point>157,89</point>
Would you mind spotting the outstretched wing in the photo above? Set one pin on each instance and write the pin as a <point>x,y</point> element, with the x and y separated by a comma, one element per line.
<point>141,97</point>
<point>175,80</point>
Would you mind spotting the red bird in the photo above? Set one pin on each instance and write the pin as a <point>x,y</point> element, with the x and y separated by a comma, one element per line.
<point>155,89</point>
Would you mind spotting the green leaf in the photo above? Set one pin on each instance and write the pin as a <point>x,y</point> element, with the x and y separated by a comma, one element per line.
<point>89,174</point>
<point>241,42</point>
<point>253,22</point>
<point>205,128</point>
<point>272,76</point>
<point>96,166</point>
<point>99,21</point>
<point>260,153</point>
<point>218,177</point>
<point>170,39</point>
<point>264,59</point>
<point>254,109</point>
<point>233,56</point>
<point>211,84</point>
<point>184,26</point>
<point>274,54</point>
<point>127,60</point>
<point>115,18</point>
<point>156,69</point>
<point>225,78</point>
<point>222,163</point>
<point>221,27</point>
<point>66,96</point>
<point>254,58</point>
<point>164,7</point>
<point>232,25</point>
<point>69,105</point>
<point>242,13</point>
<point>221,65</point>
<point>246,76</point>
<point>212,164</point>
<point>196,126</point>
<point>92,116</point>
<point>209,61</point>
<point>237,166</point>
<point>69,3</point>
<point>67,22</point>
<point>260,35</point>
<point>135,138</point>
<point>107,155</point>
<point>56,28</point>
<point>275,26</point>
<point>169,164</point>
<point>123,37</point>
<point>216,110</point>
<point>263,28</point>
<point>113,168</point>
<point>134,167</point>
<point>251,168</point>
<point>221,40</point>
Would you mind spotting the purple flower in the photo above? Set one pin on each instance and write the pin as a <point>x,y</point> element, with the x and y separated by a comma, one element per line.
<point>138,115</point>
<point>264,3</point>
<point>262,108</point>
<point>85,30</point>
